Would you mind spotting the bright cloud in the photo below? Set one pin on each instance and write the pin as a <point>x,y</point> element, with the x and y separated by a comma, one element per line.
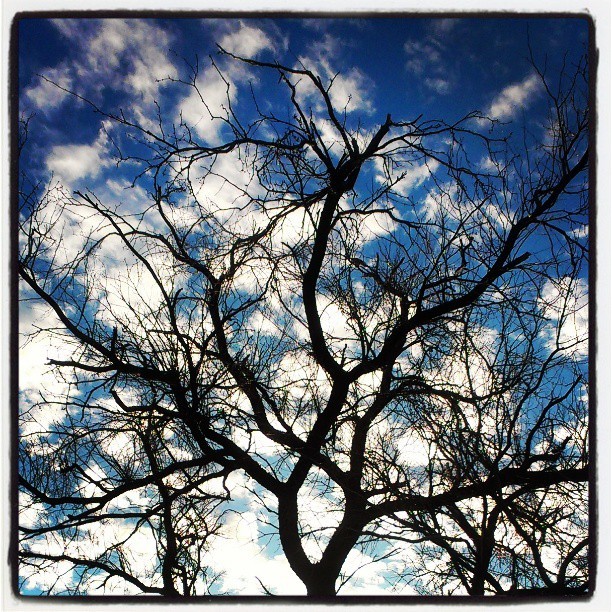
<point>565,303</point>
<point>514,98</point>
<point>407,176</point>
<point>36,377</point>
<point>349,90</point>
<point>72,162</point>
<point>101,47</point>
<point>205,107</point>
<point>246,41</point>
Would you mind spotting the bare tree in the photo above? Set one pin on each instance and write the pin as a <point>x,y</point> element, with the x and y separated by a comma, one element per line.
<point>412,363</point>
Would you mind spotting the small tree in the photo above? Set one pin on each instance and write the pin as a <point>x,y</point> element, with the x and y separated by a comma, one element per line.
<point>408,365</point>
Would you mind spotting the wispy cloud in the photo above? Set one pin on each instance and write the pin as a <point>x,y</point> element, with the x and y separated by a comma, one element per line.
<point>445,26</point>
<point>515,97</point>
<point>138,50</point>
<point>204,109</point>
<point>564,302</point>
<point>350,90</point>
<point>441,86</point>
<point>44,94</point>
<point>422,56</point>
<point>427,56</point>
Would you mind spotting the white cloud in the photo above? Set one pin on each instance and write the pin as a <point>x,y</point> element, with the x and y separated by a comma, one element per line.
<point>407,176</point>
<point>350,90</point>
<point>246,41</point>
<point>78,161</point>
<point>41,578</point>
<point>414,451</point>
<point>367,577</point>
<point>100,47</point>
<point>204,110</point>
<point>441,86</point>
<point>514,98</point>
<point>44,94</point>
<point>36,377</point>
<point>237,554</point>
<point>565,303</point>
<point>424,57</point>
<point>501,218</point>
<point>581,232</point>
<point>489,164</point>
<point>441,202</point>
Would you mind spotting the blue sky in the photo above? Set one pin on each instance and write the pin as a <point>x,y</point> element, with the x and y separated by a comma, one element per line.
<point>442,68</point>
<point>436,68</point>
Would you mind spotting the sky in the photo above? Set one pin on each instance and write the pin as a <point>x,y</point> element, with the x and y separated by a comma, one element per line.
<point>439,68</point>
<point>442,68</point>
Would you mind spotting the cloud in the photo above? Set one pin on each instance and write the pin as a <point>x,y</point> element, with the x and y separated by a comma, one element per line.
<point>405,177</point>
<point>246,41</point>
<point>205,109</point>
<point>564,302</point>
<point>503,219</point>
<point>238,553</point>
<point>441,86</point>
<point>37,379</point>
<point>423,55</point>
<point>77,161</point>
<point>426,56</point>
<point>102,48</point>
<point>368,575</point>
<point>47,95</point>
<point>581,232</point>
<point>514,98</point>
<point>444,26</point>
<point>442,201</point>
<point>350,90</point>
<point>488,163</point>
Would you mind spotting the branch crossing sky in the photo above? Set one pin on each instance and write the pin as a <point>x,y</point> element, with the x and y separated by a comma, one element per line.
<point>441,68</point>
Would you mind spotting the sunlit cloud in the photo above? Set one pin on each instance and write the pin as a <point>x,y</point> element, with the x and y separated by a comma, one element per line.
<point>246,41</point>
<point>514,98</point>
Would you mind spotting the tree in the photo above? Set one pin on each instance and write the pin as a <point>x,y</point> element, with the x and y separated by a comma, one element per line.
<point>387,372</point>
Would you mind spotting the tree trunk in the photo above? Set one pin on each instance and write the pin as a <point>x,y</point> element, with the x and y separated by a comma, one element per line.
<point>322,585</point>
<point>484,550</point>
<point>319,578</point>
<point>327,570</point>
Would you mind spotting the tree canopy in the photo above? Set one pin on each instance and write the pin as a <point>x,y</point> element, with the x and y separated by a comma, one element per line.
<point>272,315</point>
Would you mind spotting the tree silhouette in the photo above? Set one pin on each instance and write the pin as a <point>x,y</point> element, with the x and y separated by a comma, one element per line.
<point>386,371</point>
